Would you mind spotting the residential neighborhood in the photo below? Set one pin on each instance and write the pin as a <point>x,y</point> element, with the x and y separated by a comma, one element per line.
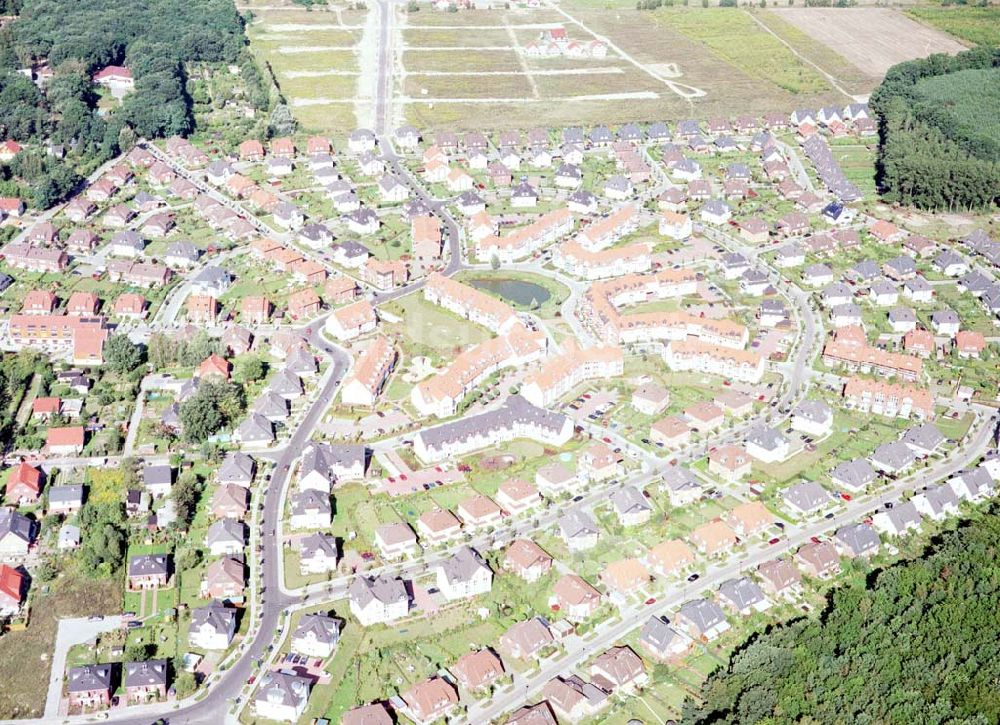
<point>411,425</point>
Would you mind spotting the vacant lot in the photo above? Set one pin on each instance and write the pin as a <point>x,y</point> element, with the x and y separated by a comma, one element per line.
<point>465,70</point>
<point>25,655</point>
<point>481,19</point>
<point>873,39</point>
<point>312,55</point>
<point>417,60</point>
<point>977,26</point>
<point>739,65</point>
<point>423,36</point>
<point>457,86</point>
<point>426,329</point>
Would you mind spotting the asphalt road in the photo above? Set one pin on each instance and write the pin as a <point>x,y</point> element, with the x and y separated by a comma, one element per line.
<point>215,702</point>
<point>579,650</point>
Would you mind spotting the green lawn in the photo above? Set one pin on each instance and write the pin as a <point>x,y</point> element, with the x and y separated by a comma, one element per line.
<point>426,329</point>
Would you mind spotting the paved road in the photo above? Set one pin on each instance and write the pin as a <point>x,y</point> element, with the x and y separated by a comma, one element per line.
<point>578,650</point>
<point>212,707</point>
<point>383,88</point>
<point>72,632</point>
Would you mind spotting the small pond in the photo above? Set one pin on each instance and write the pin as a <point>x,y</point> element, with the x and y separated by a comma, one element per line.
<point>516,291</point>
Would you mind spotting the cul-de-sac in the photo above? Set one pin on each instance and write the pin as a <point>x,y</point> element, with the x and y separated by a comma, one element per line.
<point>470,361</point>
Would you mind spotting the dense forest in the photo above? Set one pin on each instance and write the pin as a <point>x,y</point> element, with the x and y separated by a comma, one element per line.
<point>935,151</point>
<point>157,39</point>
<point>919,644</point>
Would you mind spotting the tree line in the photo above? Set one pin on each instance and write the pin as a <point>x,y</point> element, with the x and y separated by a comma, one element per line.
<point>915,643</point>
<point>928,156</point>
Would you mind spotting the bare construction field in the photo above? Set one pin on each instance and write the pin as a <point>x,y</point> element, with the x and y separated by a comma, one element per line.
<point>738,65</point>
<point>873,39</point>
<point>478,69</point>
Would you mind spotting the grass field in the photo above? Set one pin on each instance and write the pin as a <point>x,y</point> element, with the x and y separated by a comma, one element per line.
<point>757,54</point>
<point>443,61</point>
<point>426,329</point>
<point>858,164</point>
<point>446,38</point>
<point>509,86</point>
<point>976,26</point>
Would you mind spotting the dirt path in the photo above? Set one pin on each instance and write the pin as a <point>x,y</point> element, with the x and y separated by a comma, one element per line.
<point>607,70</point>
<point>300,49</point>
<point>518,26</point>
<point>25,408</point>
<point>319,73</point>
<point>520,59</point>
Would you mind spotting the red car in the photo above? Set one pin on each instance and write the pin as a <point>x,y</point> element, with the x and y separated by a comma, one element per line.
<point>651,600</point>
<point>773,541</point>
<point>845,496</point>
<point>606,439</point>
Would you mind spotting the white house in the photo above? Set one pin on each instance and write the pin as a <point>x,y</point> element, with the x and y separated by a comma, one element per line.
<point>464,575</point>
<point>316,635</point>
<point>282,696</point>
<point>212,627</point>
<point>378,600</point>
<point>812,417</point>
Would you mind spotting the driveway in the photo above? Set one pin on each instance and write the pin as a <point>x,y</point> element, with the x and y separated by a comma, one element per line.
<point>71,632</point>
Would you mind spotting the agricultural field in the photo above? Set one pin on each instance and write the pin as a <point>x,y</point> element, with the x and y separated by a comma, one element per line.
<point>313,57</point>
<point>976,26</point>
<point>848,75</point>
<point>873,39</point>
